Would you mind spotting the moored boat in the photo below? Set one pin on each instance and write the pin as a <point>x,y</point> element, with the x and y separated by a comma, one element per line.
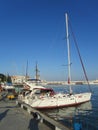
<point>40,97</point>
<point>45,98</point>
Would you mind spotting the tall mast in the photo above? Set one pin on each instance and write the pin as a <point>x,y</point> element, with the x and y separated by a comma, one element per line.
<point>37,73</point>
<point>27,70</point>
<point>68,47</point>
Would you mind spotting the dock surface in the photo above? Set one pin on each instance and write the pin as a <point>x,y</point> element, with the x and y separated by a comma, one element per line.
<point>13,117</point>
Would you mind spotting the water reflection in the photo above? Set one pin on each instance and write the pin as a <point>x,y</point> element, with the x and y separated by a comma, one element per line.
<point>68,112</point>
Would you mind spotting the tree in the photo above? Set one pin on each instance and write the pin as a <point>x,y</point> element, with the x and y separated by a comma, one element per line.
<point>2,78</point>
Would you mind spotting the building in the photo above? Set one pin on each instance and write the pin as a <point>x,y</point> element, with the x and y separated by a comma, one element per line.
<point>18,79</point>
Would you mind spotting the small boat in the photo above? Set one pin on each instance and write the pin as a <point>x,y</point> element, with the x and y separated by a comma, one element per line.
<point>9,90</point>
<point>7,86</point>
<point>40,97</point>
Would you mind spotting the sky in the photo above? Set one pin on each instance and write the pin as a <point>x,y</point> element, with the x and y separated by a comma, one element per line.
<point>35,31</point>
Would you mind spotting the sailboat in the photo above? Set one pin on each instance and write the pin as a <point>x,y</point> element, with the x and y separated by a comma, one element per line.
<point>31,82</point>
<point>45,98</point>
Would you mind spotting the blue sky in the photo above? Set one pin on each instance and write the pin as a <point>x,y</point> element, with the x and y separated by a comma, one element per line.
<point>34,30</point>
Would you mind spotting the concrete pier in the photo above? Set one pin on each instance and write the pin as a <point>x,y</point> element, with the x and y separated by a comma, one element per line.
<point>15,118</point>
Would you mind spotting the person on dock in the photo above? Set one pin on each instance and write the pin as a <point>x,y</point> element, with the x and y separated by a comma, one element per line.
<point>33,125</point>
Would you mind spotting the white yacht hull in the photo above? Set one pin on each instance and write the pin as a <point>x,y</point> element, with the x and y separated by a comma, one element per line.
<point>57,101</point>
